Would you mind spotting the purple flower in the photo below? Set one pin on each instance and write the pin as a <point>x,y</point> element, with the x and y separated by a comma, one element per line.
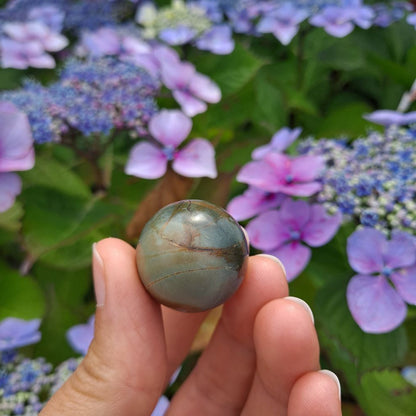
<point>280,173</point>
<point>253,202</point>
<point>189,88</point>
<point>22,55</point>
<point>16,141</point>
<point>282,233</point>
<point>104,41</point>
<point>35,31</point>
<point>80,336</point>
<point>411,19</point>
<point>283,22</point>
<point>389,117</point>
<point>170,128</point>
<point>16,333</point>
<point>280,141</point>
<point>217,39</point>
<point>177,35</point>
<point>49,15</point>
<point>386,278</point>
<point>10,187</point>
<point>161,406</point>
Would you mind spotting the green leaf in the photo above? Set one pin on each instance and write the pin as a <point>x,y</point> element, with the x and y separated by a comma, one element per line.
<point>10,219</point>
<point>53,174</point>
<point>345,120</point>
<point>54,219</point>
<point>353,350</point>
<point>20,296</point>
<point>232,71</point>
<point>269,110</point>
<point>387,393</point>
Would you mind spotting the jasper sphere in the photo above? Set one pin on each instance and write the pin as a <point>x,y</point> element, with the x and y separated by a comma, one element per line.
<point>192,255</point>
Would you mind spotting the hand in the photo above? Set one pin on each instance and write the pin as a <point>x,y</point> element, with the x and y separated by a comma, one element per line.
<point>263,358</point>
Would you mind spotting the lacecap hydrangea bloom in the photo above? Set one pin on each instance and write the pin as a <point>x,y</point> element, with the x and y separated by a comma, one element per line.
<point>16,152</point>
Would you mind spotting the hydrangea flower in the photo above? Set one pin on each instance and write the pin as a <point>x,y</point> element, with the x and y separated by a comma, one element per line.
<point>283,233</point>
<point>389,117</point>
<point>27,44</point>
<point>48,14</point>
<point>252,202</point>
<point>16,333</point>
<point>190,89</point>
<point>80,336</point>
<point>170,128</point>
<point>276,172</point>
<point>409,374</point>
<point>16,151</point>
<point>283,22</point>
<point>386,278</point>
<point>372,179</point>
<point>217,40</point>
<point>280,141</point>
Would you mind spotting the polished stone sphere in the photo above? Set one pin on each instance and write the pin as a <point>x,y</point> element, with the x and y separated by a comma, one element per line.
<point>192,255</point>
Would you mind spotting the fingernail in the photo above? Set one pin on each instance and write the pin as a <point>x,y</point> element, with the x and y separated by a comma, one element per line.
<point>269,256</point>
<point>302,303</point>
<point>335,378</point>
<point>98,276</point>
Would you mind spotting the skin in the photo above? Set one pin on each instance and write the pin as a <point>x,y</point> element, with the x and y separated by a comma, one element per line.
<point>263,358</point>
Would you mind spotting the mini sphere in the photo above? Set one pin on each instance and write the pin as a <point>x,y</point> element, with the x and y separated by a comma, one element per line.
<point>192,255</point>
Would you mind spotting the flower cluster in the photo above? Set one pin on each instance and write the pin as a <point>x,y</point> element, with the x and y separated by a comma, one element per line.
<point>16,152</point>
<point>282,18</point>
<point>27,43</point>
<point>182,23</point>
<point>91,97</point>
<point>284,225</point>
<point>372,179</point>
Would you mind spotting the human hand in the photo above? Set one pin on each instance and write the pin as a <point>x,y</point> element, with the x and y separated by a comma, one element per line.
<point>263,358</point>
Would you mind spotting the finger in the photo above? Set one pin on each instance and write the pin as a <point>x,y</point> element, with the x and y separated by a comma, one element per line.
<point>180,331</point>
<point>222,377</point>
<point>287,347</point>
<point>315,394</point>
<point>124,371</point>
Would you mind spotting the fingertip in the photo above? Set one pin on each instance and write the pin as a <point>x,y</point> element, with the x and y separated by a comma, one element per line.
<point>315,394</point>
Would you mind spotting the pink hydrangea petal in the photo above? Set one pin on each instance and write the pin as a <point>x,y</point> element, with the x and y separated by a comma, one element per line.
<point>165,56</point>
<point>104,41</point>
<point>252,202</point>
<point>321,227</point>
<point>280,141</point>
<point>177,75</point>
<point>282,166</point>
<point>204,88</point>
<point>16,140</point>
<point>196,159</point>
<point>146,161</point>
<point>365,248</point>
<point>259,174</point>
<point>190,105</point>
<point>42,61</point>
<point>295,257</point>
<point>295,214</point>
<point>10,187</point>
<point>55,42</point>
<point>400,251</point>
<point>170,127</point>
<point>268,231</point>
<point>307,168</point>
<point>374,304</point>
<point>405,282</point>
<point>299,189</point>
<point>133,45</point>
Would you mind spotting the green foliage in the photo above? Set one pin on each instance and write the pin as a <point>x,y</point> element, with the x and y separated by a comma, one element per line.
<point>20,296</point>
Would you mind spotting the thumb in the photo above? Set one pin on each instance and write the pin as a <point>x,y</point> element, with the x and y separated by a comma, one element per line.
<point>124,371</point>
